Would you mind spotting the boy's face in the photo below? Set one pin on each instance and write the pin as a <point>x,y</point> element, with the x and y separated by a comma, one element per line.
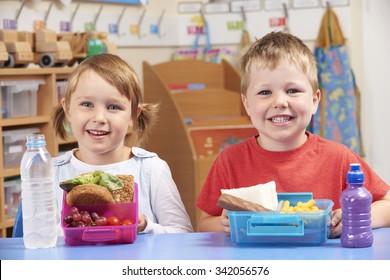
<point>280,103</point>
<point>99,116</point>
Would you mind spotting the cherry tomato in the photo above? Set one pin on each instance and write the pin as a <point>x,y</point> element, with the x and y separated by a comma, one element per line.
<point>113,221</point>
<point>127,222</point>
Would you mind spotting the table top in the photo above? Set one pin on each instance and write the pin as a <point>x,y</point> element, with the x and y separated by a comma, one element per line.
<point>197,246</point>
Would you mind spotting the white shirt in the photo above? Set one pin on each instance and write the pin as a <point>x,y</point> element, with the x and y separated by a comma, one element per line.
<point>158,197</point>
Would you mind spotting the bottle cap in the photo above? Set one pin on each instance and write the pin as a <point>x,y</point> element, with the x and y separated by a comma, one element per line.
<point>355,174</point>
<point>35,140</point>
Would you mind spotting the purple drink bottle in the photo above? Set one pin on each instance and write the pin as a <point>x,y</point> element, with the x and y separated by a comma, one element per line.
<point>356,211</point>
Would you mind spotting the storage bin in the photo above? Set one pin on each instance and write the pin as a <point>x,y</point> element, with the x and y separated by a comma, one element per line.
<point>12,195</point>
<point>19,98</point>
<point>304,228</point>
<point>100,235</point>
<point>14,142</point>
<point>61,87</point>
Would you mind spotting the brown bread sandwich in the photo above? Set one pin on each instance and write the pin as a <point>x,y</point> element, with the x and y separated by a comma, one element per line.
<point>99,188</point>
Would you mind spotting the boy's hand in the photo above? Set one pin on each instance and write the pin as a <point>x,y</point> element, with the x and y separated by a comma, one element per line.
<point>336,224</point>
<point>225,222</point>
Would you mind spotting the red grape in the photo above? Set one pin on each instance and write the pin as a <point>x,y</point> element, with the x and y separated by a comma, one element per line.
<point>86,218</point>
<point>68,219</point>
<point>74,210</point>
<point>76,217</point>
<point>94,216</point>
<point>101,221</point>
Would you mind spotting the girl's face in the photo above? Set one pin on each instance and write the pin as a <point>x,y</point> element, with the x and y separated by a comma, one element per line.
<point>280,103</point>
<point>100,117</point>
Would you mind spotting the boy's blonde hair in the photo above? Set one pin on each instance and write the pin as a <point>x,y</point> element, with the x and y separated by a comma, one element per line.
<point>122,76</point>
<point>274,48</point>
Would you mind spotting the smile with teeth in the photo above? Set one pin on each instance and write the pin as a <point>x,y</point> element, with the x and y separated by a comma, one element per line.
<point>281,119</point>
<point>97,132</point>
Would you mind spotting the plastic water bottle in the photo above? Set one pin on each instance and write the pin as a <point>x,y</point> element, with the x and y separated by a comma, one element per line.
<point>356,211</point>
<point>38,195</point>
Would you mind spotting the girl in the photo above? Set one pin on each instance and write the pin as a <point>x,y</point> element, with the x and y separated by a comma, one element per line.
<point>103,100</point>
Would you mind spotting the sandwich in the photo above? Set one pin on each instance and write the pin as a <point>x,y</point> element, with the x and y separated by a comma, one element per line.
<point>99,188</point>
<point>259,198</point>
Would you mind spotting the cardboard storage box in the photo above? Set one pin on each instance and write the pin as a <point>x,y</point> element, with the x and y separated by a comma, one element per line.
<point>14,145</point>
<point>91,235</point>
<point>273,228</point>
<point>12,195</point>
<point>19,98</point>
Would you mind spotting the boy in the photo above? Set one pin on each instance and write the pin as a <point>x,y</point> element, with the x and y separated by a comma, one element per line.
<point>280,94</point>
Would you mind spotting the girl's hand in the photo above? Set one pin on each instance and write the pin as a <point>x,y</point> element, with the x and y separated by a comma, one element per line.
<point>225,222</point>
<point>336,224</point>
<point>142,223</point>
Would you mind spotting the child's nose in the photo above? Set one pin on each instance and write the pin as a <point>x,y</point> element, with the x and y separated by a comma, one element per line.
<point>100,115</point>
<point>280,100</point>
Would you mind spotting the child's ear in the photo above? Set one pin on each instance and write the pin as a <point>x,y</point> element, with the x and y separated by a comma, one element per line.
<point>139,110</point>
<point>245,103</point>
<point>316,101</point>
<point>63,104</point>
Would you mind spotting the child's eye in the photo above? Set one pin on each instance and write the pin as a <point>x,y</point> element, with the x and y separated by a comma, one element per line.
<point>293,90</point>
<point>87,104</point>
<point>265,92</point>
<point>113,107</point>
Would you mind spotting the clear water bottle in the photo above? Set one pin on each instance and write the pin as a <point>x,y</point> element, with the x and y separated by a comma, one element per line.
<point>39,206</point>
<point>356,211</point>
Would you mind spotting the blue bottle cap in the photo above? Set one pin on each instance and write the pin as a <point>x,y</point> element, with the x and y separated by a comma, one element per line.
<point>355,174</point>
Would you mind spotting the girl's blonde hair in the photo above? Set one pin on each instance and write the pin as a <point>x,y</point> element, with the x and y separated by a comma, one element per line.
<point>122,76</point>
<point>274,48</point>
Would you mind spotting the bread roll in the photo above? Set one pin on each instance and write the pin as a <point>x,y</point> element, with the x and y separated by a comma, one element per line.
<point>89,194</point>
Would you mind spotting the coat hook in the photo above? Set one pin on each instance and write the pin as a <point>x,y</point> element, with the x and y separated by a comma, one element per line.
<point>97,16</point>
<point>20,10</point>
<point>74,15</point>
<point>118,23</point>
<point>140,22</point>
<point>243,14</point>
<point>202,16</point>
<point>286,27</point>
<point>48,12</point>
<point>159,23</point>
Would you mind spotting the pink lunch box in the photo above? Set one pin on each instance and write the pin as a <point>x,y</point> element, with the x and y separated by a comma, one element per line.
<point>98,235</point>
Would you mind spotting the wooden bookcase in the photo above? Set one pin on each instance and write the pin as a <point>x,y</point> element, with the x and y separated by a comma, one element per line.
<point>194,124</point>
<point>46,100</point>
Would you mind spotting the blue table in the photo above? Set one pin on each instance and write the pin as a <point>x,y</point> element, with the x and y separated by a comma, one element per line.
<point>197,246</point>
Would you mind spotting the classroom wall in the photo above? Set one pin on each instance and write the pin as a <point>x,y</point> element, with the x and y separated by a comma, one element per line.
<point>364,23</point>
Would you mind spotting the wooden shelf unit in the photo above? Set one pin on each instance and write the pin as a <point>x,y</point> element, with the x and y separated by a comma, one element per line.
<point>190,120</point>
<point>46,100</point>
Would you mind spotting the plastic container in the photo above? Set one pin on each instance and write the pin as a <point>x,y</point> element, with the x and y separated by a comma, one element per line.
<point>14,142</point>
<point>100,235</point>
<point>39,205</point>
<point>61,87</point>
<point>356,211</point>
<point>306,228</point>
<point>19,98</point>
<point>12,195</point>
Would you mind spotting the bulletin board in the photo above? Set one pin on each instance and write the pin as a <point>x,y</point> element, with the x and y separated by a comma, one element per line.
<point>132,2</point>
<point>136,25</point>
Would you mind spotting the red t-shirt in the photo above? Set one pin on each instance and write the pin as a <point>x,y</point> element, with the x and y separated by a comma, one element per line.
<point>319,166</point>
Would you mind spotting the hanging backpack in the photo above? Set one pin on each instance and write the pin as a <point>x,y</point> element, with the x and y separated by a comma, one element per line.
<point>338,115</point>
